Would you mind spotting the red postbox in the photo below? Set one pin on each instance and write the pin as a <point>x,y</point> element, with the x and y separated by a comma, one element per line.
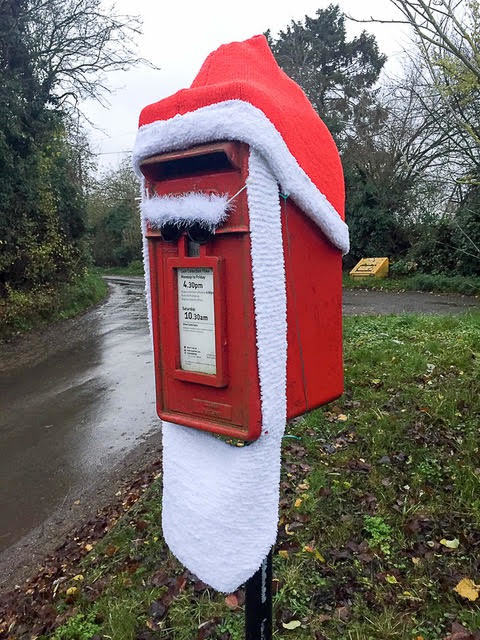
<point>203,301</point>
<point>245,295</point>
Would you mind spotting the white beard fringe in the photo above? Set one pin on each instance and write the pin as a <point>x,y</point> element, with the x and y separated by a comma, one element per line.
<point>209,210</point>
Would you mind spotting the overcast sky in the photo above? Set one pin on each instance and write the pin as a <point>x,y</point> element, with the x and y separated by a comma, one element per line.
<point>177,36</point>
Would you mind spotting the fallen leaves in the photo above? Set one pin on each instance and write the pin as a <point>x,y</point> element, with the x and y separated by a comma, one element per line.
<point>141,525</point>
<point>459,632</point>
<point>111,550</point>
<point>467,589</point>
<point>359,465</point>
<point>159,578</point>
<point>206,629</point>
<point>293,624</point>
<point>343,613</point>
<point>316,554</point>
<point>232,601</point>
<point>174,585</point>
<point>30,606</point>
<point>345,466</point>
<point>156,612</point>
<point>450,544</point>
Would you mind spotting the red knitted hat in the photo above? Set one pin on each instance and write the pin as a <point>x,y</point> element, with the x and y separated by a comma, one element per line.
<point>241,93</point>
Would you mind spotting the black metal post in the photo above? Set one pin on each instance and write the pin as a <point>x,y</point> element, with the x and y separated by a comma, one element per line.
<point>258,603</point>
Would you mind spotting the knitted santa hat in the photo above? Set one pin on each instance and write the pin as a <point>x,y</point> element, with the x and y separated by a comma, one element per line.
<point>242,94</point>
<point>223,524</point>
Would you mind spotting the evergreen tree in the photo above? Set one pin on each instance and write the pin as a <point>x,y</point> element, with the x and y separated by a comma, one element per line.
<point>338,76</point>
<point>335,73</point>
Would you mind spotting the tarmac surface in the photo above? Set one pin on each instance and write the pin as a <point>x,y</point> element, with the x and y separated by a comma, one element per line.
<point>74,401</point>
<point>363,302</point>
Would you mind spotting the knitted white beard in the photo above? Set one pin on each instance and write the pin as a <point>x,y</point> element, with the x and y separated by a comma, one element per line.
<point>220,503</point>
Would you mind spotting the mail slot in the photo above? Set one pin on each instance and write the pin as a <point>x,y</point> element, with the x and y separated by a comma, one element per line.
<point>202,299</point>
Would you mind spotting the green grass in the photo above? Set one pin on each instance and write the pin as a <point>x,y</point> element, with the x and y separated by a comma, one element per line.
<point>371,485</point>
<point>135,268</point>
<point>22,311</point>
<point>469,286</point>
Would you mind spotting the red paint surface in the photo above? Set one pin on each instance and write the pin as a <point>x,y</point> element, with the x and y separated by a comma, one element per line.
<point>313,273</point>
<point>229,402</point>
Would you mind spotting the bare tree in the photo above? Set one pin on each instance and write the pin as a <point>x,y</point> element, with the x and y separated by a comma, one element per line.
<point>447,33</point>
<point>72,45</point>
<point>451,25</point>
<point>403,154</point>
<point>448,25</point>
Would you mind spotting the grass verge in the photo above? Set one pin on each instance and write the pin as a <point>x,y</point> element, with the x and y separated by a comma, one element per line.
<point>135,268</point>
<point>379,515</point>
<point>417,282</point>
<point>23,311</point>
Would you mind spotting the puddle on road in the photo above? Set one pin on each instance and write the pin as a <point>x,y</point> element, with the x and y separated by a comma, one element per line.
<point>76,412</point>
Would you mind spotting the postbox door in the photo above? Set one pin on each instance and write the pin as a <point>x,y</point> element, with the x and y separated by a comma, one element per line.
<point>202,304</point>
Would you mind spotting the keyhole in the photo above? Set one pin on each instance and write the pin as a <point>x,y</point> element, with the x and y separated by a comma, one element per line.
<point>193,248</point>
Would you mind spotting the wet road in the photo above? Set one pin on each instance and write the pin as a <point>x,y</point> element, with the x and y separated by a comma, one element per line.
<point>83,408</point>
<point>77,398</point>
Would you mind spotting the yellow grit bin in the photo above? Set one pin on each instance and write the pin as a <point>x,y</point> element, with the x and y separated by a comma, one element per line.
<point>370,268</point>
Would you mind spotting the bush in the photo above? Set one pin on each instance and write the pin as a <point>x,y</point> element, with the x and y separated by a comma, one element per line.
<point>454,284</point>
<point>417,282</point>
<point>136,267</point>
<point>23,310</point>
<point>432,247</point>
<point>113,218</point>
<point>42,212</point>
<point>467,234</point>
<point>402,268</point>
